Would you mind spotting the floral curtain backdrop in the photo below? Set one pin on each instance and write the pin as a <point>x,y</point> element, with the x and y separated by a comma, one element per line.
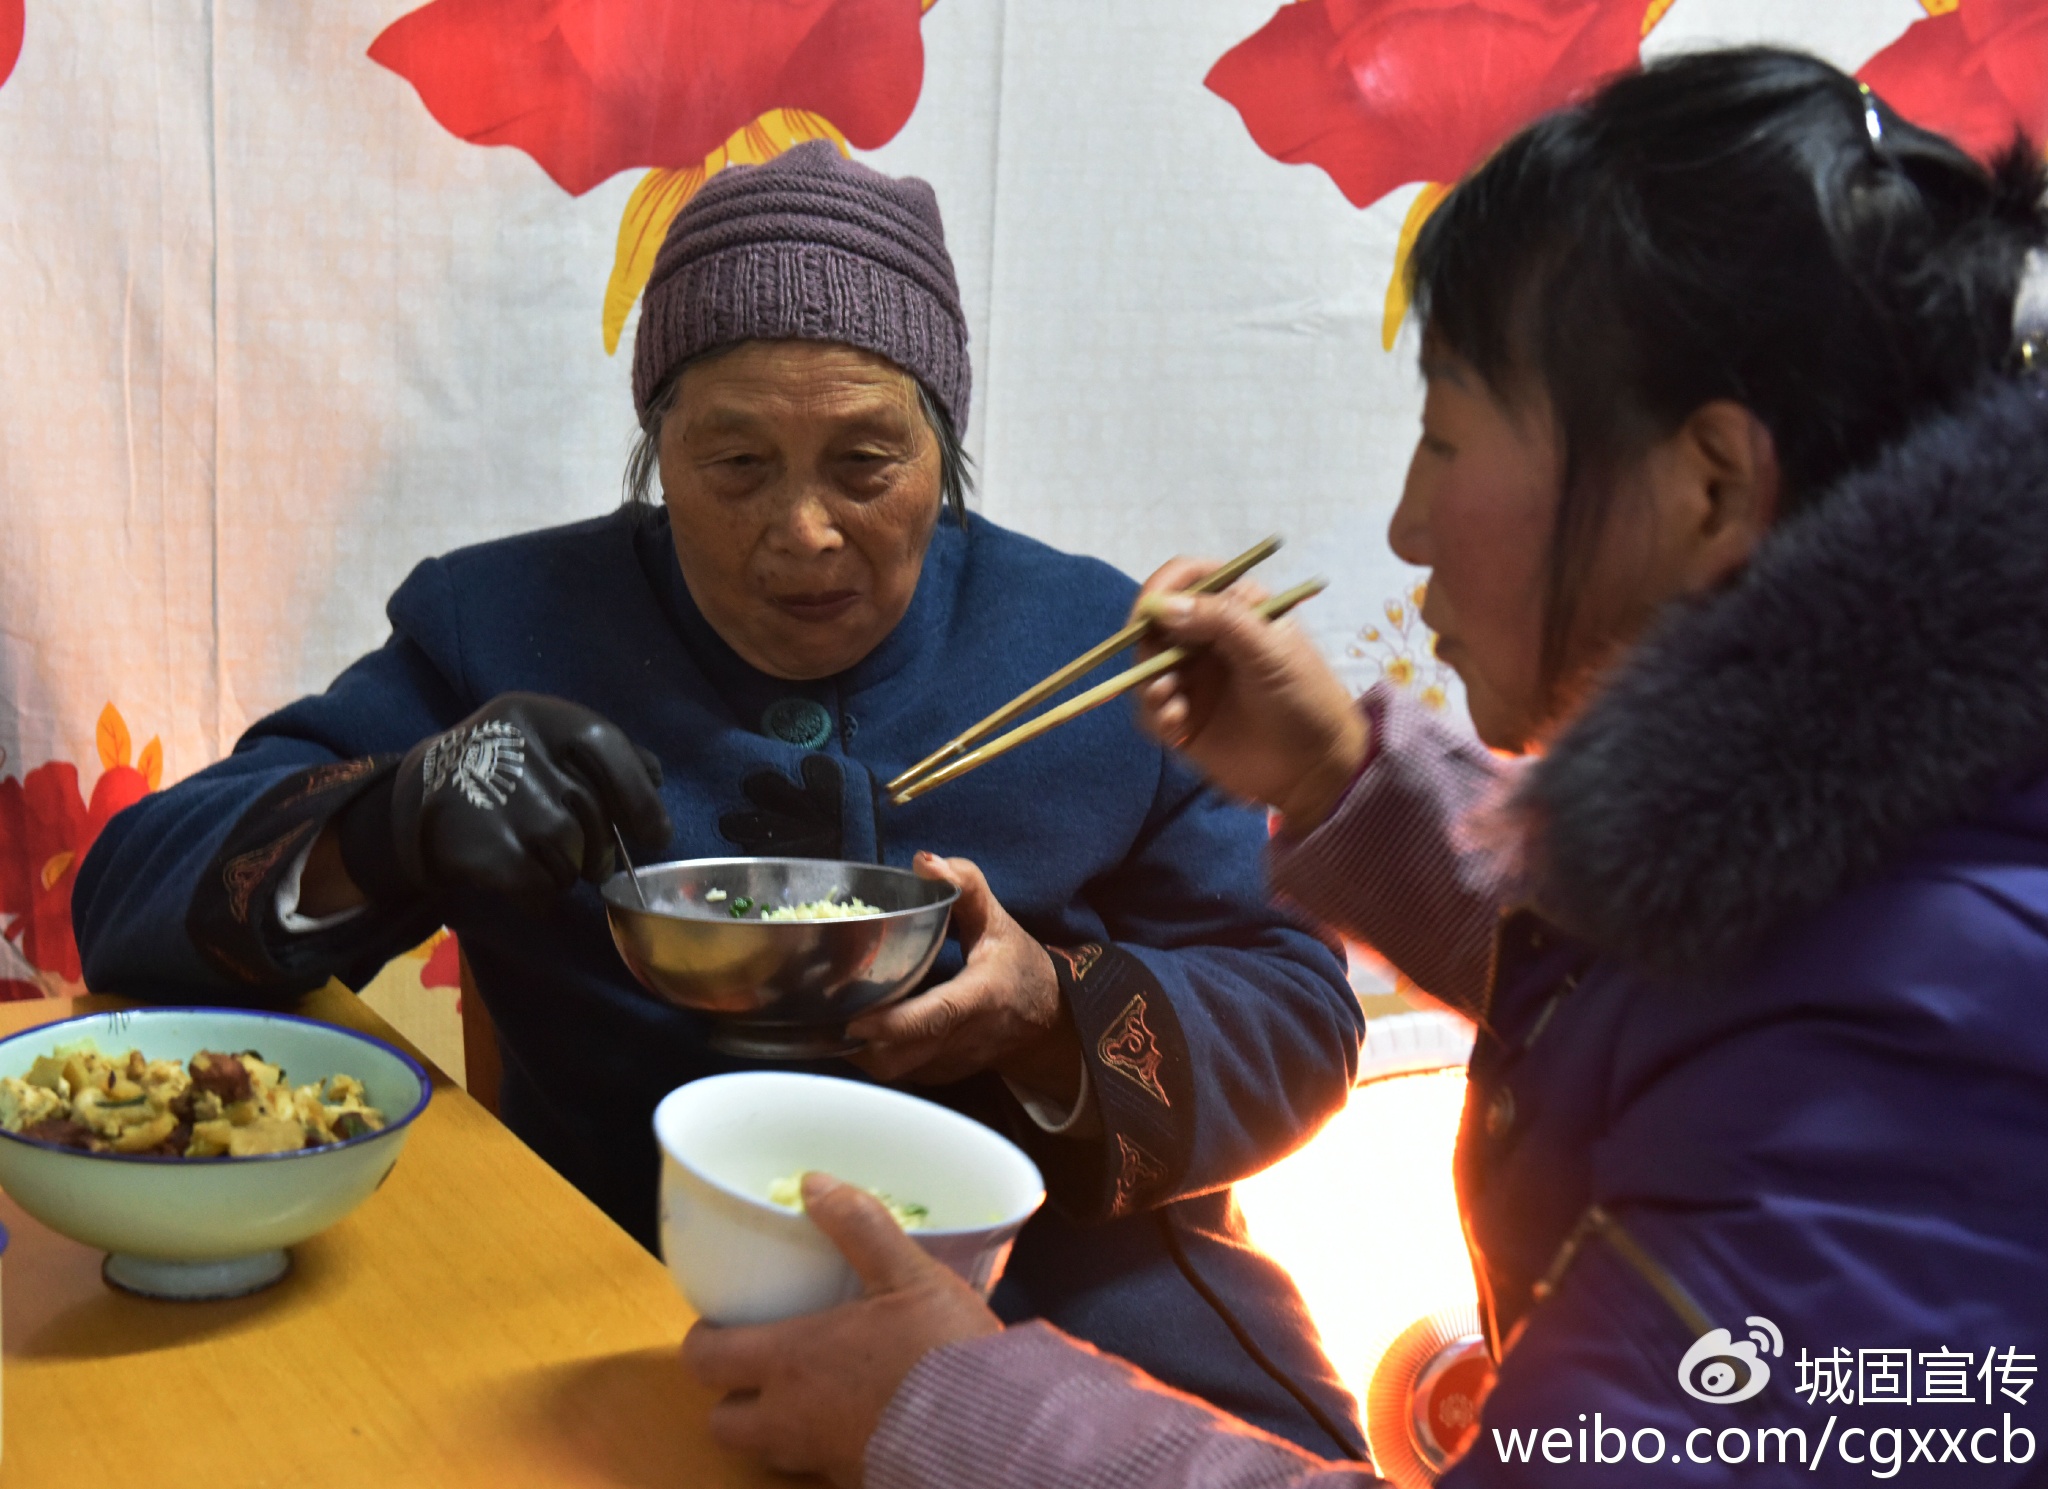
<point>293,296</point>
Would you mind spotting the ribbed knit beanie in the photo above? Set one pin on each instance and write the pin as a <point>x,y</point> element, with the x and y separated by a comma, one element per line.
<point>810,246</point>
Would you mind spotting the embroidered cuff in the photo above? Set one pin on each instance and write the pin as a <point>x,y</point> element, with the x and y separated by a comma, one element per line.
<point>233,919</point>
<point>1142,1079</point>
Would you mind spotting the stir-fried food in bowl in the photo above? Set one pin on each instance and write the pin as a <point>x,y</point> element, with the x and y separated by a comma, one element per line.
<point>215,1105</point>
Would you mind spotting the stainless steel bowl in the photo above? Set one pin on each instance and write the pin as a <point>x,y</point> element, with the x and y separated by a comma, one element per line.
<point>777,989</point>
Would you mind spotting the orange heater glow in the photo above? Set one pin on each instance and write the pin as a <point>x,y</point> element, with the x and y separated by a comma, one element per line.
<point>1365,1219</point>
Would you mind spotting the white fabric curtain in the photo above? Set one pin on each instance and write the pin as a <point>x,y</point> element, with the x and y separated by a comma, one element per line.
<point>271,331</point>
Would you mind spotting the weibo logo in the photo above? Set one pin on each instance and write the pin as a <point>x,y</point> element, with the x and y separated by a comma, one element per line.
<point>1724,1370</point>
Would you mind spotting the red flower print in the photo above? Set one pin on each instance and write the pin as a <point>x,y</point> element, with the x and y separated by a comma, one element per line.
<point>443,967</point>
<point>12,24</point>
<point>1978,73</point>
<point>590,88</point>
<point>46,828</point>
<point>1380,93</point>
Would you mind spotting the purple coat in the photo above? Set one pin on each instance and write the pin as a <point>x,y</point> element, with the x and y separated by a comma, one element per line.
<point>1773,1060</point>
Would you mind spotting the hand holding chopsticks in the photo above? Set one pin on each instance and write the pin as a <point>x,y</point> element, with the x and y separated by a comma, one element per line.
<point>1095,656</point>
<point>956,758</point>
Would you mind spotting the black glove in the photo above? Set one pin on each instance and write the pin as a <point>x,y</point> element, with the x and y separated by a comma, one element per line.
<point>518,799</point>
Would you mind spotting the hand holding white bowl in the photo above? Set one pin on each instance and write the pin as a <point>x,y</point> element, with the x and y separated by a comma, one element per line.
<point>806,1395</point>
<point>726,1140</point>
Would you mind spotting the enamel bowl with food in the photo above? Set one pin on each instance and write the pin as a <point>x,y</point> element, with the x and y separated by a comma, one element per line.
<point>730,1142</point>
<point>778,987</point>
<point>209,1227</point>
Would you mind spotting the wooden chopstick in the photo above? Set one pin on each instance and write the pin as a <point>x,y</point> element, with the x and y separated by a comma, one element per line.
<point>1095,697</point>
<point>1094,657</point>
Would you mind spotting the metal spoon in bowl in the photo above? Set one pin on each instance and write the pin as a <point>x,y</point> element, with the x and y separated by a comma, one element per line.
<point>627,859</point>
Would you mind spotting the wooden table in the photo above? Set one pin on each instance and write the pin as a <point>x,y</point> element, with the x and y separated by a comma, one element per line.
<point>475,1322</point>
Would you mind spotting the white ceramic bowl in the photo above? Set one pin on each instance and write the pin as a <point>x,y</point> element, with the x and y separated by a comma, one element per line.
<point>725,1139</point>
<point>209,1227</point>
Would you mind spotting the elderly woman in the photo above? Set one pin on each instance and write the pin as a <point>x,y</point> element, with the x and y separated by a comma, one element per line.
<point>808,611</point>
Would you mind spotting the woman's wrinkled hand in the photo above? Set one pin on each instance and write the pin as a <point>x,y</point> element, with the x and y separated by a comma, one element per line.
<point>805,1395</point>
<point>1002,1012</point>
<point>1257,710</point>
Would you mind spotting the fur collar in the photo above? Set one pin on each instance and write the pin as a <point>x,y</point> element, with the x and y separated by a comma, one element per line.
<point>1879,672</point>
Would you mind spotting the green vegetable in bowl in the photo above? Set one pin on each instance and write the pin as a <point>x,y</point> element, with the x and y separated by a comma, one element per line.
<point>788,1192</point>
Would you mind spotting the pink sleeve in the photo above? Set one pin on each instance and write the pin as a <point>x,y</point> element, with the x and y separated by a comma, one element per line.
<point>1391,866</point>
<point>1030,1408</point>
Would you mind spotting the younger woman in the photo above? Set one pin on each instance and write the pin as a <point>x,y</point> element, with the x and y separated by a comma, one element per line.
<point>1734,492</point>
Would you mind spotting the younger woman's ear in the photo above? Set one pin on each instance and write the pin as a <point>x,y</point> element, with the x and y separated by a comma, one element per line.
<point>1732,463</point>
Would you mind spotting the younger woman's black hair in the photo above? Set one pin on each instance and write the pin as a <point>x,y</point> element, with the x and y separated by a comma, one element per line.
<point>1747,224</point>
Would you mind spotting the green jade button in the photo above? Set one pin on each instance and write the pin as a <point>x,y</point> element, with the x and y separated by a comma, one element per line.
<point>798,721</point>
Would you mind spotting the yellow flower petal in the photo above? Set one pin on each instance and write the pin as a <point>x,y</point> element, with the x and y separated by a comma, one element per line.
<point>112,738</point>
<point>662,193</point>
<point>1396,310</point>
<point>651,208</point>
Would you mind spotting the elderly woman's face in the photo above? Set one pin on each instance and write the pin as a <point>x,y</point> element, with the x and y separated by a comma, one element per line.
<point>802,483</point>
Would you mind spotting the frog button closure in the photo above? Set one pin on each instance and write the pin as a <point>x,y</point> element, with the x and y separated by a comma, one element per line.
<point>798,721</point>
<point>1500,1112</point>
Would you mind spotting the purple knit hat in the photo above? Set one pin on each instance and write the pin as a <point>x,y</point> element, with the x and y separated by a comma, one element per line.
<point>810,246</point>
